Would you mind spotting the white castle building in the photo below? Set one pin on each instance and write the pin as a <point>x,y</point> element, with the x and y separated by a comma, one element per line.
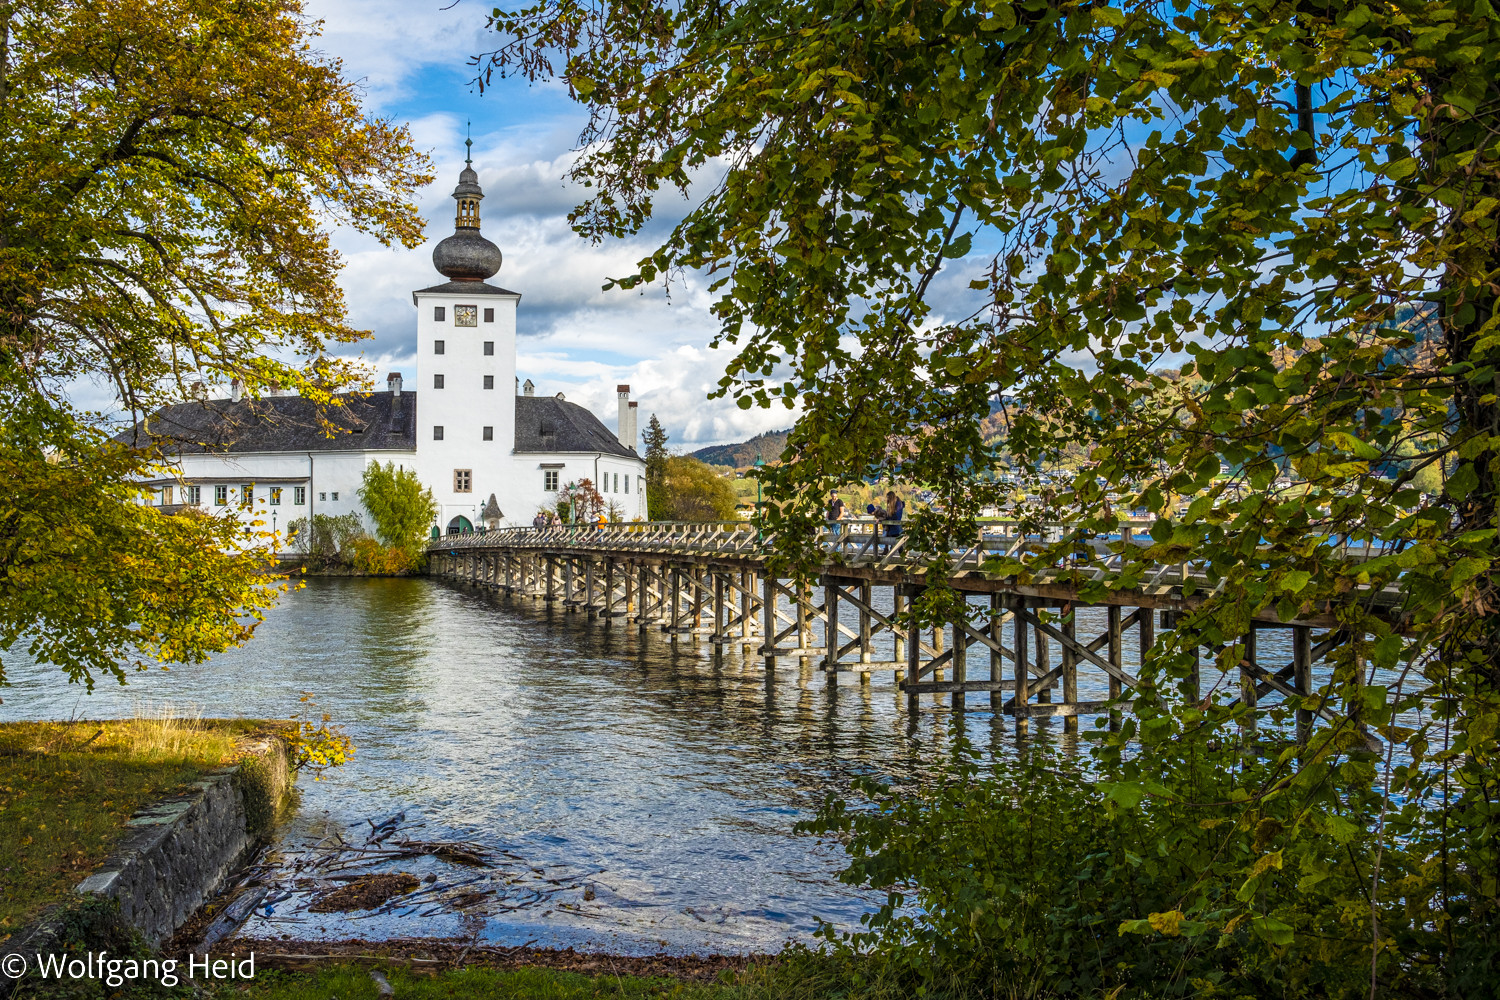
<point>491,451</point>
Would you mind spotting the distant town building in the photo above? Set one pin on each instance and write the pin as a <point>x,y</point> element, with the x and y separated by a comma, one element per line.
<point>492,454</point>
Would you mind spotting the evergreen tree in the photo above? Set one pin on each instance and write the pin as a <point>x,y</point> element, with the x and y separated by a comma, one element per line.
<point>658,506</point>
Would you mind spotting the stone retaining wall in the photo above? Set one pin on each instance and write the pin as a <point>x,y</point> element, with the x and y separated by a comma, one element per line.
<point>176,853</point>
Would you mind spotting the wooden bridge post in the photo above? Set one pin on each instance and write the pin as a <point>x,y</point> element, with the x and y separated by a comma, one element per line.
<point>1248,681</point>
<point>1302,677</point>
<point>866,650</point>
<point>1022,673</point>
<point>674,587</point>
<point>1116,660</point>
<point>747,611</point>
<point>997,665</point>
<point>721,610</point>
<point>696,577</point>
<point>643,595</point>
<point>898,639</point>
<point>1070,666</point>
<point>957,702</point>
<point>831,631</point>
<point>1043,652</point>
<point>913,672</point>
<point>1147,627</point>
<point>768,624</point>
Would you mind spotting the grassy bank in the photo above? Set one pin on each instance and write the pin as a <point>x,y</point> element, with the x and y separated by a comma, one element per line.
<point>67,789</point>
<point>798,979</point>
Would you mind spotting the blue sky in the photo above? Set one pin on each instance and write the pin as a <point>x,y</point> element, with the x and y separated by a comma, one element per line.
<point>411,57</point>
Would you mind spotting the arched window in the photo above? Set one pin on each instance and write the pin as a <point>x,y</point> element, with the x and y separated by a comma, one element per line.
<point>460,526</point>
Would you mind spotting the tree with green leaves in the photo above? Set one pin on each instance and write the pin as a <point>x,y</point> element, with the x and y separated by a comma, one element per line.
<point>168,172</point>
<point>926,208</point>
<point>401,506</point>
<point>692,491</point>
<point>655,439</point>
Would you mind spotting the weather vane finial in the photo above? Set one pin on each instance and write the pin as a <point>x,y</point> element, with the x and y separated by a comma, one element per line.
<point>469,144</point>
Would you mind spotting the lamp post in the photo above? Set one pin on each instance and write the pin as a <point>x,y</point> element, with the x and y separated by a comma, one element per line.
<point>275,542</point>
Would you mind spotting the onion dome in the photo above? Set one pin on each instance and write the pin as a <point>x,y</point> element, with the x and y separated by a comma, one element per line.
<point>466,255</point>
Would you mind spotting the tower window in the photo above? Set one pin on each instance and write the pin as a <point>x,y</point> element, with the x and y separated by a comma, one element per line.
<point>489,381</point>
<point>489,433</point>
<point>437,381</point>
<point>437,432</point>
<point>489,317</point>
<point>463,481</point>
<point>489,345</point>
<point>439,313</point>
<point>437,347</point>
<point>549,480</point>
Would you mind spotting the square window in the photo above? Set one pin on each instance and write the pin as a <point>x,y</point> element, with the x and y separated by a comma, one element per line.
<point>439,314</point>
<point>437,433</point>
<point>437,381</point>
<point>465,315</point>
<point>322,497</point>
<point>335,494</point>
<point>463,481</point>
<point>489,433</point>
<point>437,347</point>
<point>489,317</point>
<point>489,381</point>
<point>276,496</point>
<point>549,479</point>
<point>221,496</point>
<point>489,348</point>
<point>299,495</point>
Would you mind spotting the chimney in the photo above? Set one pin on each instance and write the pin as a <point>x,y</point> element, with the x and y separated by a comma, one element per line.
<point>393,382</point>
<point>622,429</point>
<point>234,390</point>
<point>634,437</point>
<point>528,388</point>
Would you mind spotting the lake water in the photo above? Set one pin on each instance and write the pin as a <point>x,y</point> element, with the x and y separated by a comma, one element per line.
<point>643,793</point>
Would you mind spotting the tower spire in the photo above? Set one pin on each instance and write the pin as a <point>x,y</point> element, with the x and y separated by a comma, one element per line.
<point>469,144</point>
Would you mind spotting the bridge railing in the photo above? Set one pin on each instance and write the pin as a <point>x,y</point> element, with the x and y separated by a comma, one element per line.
<point>860,542</point>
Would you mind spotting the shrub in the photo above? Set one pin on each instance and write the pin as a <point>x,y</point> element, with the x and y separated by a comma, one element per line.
<point>1031,877</point>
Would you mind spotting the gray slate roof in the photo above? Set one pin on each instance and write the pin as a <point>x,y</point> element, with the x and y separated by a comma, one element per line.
<point>290,424</point>
<point>281,423</point>
<point>464,288</point>
<point>548,424</point>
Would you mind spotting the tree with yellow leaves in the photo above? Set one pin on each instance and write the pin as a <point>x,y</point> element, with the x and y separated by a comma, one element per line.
<point>168,172</point>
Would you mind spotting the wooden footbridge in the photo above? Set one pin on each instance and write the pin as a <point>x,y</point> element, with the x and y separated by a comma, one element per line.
<point>710,583</point>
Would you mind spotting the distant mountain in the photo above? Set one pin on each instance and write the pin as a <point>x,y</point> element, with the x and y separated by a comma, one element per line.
<point>742,456</point>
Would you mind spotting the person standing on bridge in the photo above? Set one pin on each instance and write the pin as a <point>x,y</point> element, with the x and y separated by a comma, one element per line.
<point>835,514</point>
<point>895,511</point>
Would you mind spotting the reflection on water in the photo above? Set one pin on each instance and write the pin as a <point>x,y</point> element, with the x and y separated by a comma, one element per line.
<point>655,786</point>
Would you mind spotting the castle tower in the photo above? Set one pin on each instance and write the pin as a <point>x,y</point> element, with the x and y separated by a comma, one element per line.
<point>466,361</point>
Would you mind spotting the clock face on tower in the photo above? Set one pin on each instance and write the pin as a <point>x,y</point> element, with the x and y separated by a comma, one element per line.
<point>465,315</point>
